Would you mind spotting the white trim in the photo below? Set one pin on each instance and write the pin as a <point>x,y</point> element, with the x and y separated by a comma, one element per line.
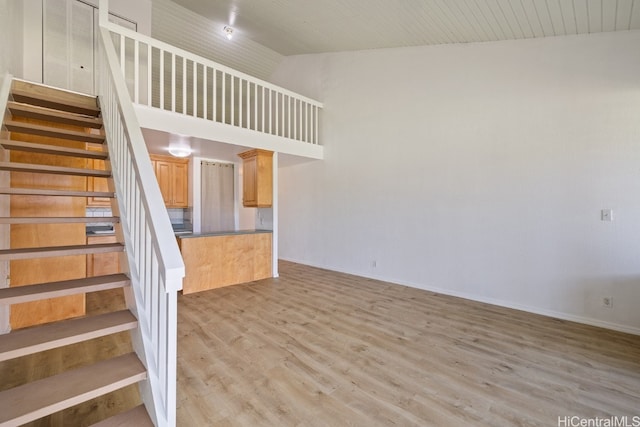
<point>175,123</point>
<point>196,189</point>
<point>500,303</point>
<point>274,220</point>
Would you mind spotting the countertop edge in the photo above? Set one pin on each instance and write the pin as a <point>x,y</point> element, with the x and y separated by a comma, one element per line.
<point>222,233</point>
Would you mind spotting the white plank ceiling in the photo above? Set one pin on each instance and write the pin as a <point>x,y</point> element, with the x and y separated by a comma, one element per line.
<point>292,27</point>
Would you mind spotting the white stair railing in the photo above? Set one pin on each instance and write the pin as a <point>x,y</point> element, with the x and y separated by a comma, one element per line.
<point>163,76</point>
<point>155,265</point>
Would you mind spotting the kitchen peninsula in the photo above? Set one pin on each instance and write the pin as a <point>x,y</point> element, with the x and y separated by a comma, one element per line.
<point>214,260</point>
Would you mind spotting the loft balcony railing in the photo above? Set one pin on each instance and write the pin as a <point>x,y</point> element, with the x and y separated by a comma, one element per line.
<point>162,76</point>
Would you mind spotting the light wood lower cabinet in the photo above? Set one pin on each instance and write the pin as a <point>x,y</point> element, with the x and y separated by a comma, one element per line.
<point>101,264</point>
<point>216,261</point>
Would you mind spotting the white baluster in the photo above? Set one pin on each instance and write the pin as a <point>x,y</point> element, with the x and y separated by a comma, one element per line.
<point>173,82</point>
<point>136,71</point>
<point>224,97</point>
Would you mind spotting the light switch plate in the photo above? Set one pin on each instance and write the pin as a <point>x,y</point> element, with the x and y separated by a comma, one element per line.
<point>606,215</point>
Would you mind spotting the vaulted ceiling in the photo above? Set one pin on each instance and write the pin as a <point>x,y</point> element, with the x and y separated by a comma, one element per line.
<point>292,27</point>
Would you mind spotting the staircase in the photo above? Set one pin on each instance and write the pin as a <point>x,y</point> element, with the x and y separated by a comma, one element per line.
<point>46,130</point>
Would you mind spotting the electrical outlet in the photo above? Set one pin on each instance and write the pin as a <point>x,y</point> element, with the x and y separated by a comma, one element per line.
<point>607,302</point>
<point>374,263</point>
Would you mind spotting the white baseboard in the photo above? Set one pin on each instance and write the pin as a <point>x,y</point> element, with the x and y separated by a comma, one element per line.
<point>492,301</point>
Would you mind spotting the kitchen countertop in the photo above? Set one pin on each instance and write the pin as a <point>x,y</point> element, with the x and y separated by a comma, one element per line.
<point>222,233</point>
<point>101,230</point>
<point>183,234</point>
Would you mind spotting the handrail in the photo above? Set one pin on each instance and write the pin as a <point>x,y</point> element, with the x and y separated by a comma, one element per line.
<point>155,265</point>
<point>163,76</point>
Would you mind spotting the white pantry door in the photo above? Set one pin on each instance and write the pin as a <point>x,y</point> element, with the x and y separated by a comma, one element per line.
<point>70,42</point>
<point>68,34</point>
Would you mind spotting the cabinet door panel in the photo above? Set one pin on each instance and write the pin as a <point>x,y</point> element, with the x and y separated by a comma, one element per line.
<point>173,180</point>
<point>249,176</point>
<point>180,185</point>
<point>257,178</point>
<point>163,175</point>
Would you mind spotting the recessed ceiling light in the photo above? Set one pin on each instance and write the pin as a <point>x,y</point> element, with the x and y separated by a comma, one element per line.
<point>228,32</point>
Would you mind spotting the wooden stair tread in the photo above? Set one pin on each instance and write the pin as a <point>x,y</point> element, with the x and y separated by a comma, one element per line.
<point>52,149</point>
<point>48,192</point>
<point>58,334</point>
<point>41,130</point>
<point>136,417</point>
<point>52,115</point>
<point>20,294</point>
<point>54,251</point>
<point>57,99</point>
<point>37,399</point>
<point>57,170</point>
<point>56,220</point>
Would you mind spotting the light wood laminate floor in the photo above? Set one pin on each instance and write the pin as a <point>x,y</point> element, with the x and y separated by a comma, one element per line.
<point>318,348</point>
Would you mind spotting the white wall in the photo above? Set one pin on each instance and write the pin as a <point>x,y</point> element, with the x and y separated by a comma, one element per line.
<point>477,170</point>
<point>5,25</point>
<point>10,37</point>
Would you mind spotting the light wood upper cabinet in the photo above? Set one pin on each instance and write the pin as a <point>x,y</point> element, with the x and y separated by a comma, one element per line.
<point>257,178</point>
<point>180,183</point>
<point>173,178</point>
<point>163,172</point>
<point>94,183</point>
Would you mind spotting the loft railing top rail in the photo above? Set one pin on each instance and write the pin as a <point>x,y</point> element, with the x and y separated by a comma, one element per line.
<point>199,59</point>
<point>169,257</point>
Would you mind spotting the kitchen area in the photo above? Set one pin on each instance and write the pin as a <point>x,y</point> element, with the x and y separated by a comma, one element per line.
<point>220,251</point>
<point>221,212</point>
